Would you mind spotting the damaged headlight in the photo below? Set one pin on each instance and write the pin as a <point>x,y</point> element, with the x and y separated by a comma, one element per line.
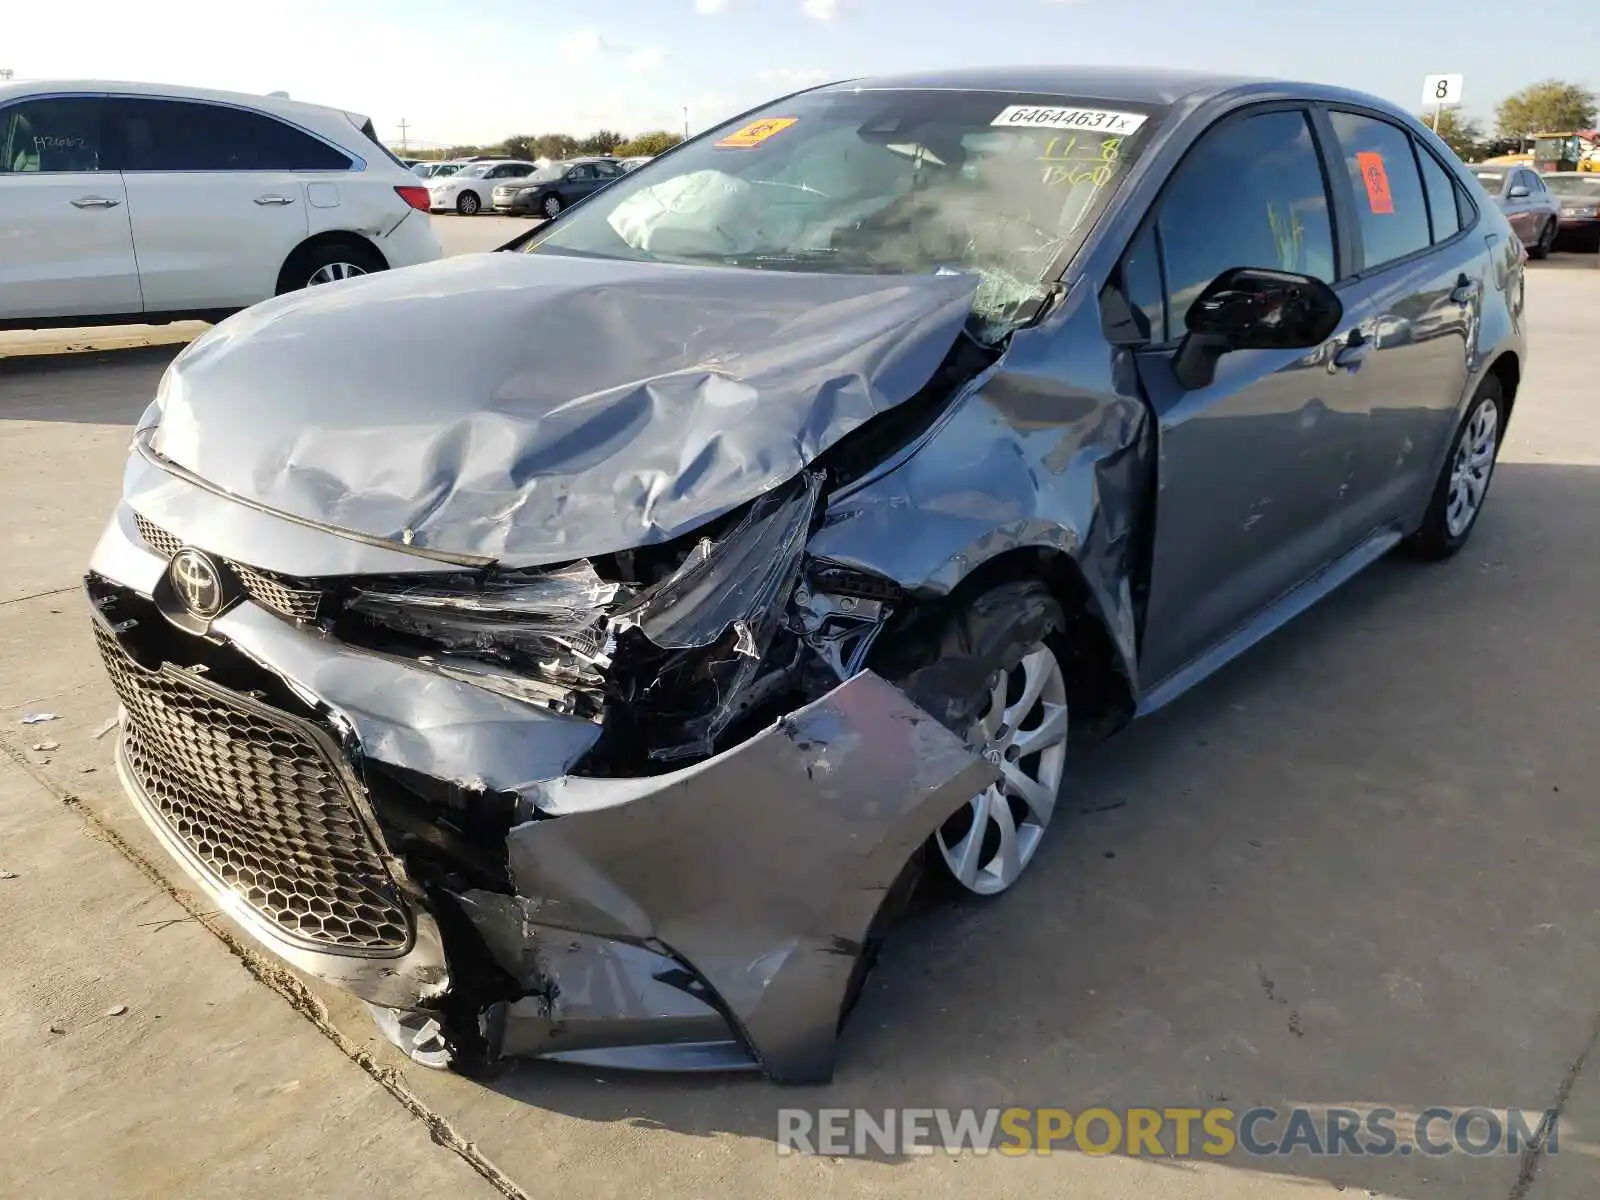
<point>690,651</point>
<point>666,667</point>
<point>548,630</point>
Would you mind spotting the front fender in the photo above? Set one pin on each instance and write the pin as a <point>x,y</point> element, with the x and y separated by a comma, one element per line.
<point>1052,449</point>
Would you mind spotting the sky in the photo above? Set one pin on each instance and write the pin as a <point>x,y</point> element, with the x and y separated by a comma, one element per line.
<point>476,73</point>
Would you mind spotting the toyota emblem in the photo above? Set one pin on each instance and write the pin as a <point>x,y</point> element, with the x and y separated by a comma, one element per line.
<point>197,582</point>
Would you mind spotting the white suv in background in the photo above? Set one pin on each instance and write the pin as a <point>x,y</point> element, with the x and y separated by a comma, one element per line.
<point>136,202</point>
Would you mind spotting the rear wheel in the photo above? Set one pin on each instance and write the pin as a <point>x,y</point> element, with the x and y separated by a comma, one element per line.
<point>1463,483</point>
<point>468,204</point>
<point>328,262</point>
<point>1547,240</point>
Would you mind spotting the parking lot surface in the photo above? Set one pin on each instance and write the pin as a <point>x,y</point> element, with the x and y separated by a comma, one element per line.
<point>1358,868</point>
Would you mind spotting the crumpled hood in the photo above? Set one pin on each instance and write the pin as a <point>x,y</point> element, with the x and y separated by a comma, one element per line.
<point>534,408</point>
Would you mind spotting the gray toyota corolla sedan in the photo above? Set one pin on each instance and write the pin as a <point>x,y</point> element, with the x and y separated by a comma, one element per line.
<point>582,651</point>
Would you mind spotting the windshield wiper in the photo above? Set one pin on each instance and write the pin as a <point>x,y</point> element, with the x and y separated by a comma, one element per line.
<point>845,260</point>
<point>815,254</point>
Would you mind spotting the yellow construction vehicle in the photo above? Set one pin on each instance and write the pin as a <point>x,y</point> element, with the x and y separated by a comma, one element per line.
<point>1574,150</point>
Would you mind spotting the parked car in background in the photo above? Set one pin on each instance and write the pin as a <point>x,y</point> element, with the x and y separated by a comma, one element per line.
<point>1521,194</point>
<point>1579,197</point>
<point>584,653</point>
<point>632,164</point>
<point>468,189</point>
<point>549,190</point>
<point>133,201</point>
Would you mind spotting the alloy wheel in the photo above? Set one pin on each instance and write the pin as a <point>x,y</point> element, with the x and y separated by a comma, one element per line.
<point>988,843</point>
<point>334,271</point>
<point>467,205</point>
<point>552,206</point>
<point>1471,465</point>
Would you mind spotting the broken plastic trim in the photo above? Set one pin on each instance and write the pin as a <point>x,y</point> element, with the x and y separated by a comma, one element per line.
<point>688,649</point>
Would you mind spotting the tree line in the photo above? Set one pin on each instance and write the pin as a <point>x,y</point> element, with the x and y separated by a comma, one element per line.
<point>1551,106</point>
<point>564,145</point>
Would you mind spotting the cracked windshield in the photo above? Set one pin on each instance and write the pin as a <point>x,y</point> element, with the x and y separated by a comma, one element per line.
<point>879,182</point>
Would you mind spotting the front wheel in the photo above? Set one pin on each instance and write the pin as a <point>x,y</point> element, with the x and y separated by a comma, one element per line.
<point>552,206</point>
<point>1463,483</point>
<point>989,843</point>
<point>1008,643</point>
<point>468,204</point>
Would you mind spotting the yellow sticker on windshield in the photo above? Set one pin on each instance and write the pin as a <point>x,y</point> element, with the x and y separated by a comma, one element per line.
<point>757,132</point>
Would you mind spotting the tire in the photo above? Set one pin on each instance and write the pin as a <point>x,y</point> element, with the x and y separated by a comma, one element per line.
<point>328,262</point>
<point>468,204</point>
<point>1445,527</point>
<point>994,671</point>
<point>1546,242</point>
<point>551,206</point>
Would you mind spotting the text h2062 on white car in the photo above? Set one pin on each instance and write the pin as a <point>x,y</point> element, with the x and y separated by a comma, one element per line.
<point>136,201</point>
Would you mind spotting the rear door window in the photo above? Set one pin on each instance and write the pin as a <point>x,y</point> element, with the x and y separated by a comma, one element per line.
<point>181,135</point>
<point>1443,206</point>
<point>50,135</point>
<point>1390,209</point>
<point>1249,194</point>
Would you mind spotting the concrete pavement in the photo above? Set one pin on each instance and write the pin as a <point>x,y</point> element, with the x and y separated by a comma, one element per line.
<point>1357,868</point>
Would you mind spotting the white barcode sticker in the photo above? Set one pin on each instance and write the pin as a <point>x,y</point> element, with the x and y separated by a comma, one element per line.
<point>1092,120</point>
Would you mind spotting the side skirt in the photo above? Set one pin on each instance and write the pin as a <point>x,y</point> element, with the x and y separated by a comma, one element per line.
<point>1279,613</point>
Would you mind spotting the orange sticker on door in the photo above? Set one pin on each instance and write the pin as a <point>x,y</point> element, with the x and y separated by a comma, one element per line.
<point>757,132</point>
<point>1379,198</point>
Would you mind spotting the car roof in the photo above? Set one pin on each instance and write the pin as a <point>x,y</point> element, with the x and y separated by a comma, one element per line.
<point>277,104</point>
<point>1147,85</point>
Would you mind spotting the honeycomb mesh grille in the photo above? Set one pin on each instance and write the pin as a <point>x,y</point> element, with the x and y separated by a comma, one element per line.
<point>261,806</point>
<point>159,539</point>
<point>298,604</point>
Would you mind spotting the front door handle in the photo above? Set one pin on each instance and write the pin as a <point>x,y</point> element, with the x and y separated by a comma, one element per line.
<point>1464,290</point>
<point>1354,351</point>
<point>274,199</point>
<point>95,202</point>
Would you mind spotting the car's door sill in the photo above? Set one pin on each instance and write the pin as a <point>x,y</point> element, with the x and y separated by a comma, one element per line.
<point>1279,613</point>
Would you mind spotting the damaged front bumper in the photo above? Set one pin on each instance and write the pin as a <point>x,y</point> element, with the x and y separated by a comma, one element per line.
<point>421,842</point>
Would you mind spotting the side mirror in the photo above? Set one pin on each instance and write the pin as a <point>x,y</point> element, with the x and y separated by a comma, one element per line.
<point>1518,193</point>
<point>1253,308</point>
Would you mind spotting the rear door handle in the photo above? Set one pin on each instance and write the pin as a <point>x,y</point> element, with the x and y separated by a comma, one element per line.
<point>1464,290</point>
<point>274,199</point>
<point>1354,352</point>
<point>95,202</point>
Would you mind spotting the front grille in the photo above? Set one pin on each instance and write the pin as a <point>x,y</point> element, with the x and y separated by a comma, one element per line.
<point>261,804</point>
<point>162,542</point>
<point>298,604</point>
<point>266,589</point>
